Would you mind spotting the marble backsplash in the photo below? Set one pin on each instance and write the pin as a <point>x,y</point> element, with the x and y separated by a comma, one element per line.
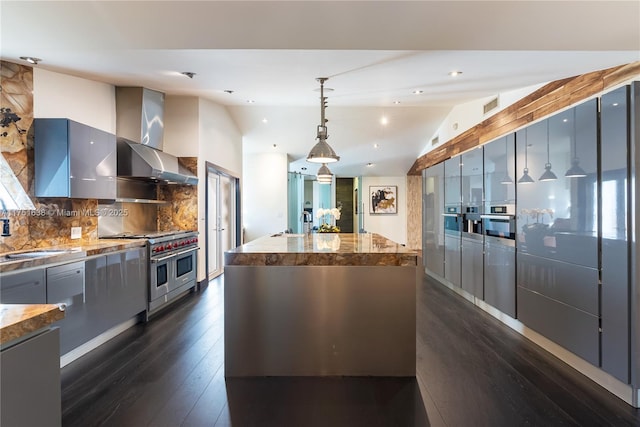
<point>51,221</point>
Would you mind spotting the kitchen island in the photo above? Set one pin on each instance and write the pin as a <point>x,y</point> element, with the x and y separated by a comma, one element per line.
<point>320,305</point>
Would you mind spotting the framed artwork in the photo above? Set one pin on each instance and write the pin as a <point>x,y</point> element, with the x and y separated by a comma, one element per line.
<point>384,199</point>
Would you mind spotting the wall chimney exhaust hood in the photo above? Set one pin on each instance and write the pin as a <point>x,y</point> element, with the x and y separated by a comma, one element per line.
<point>140,131</point>
<point>138,161</point>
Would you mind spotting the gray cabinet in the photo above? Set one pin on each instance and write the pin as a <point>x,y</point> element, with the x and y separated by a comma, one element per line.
<point>452,220</point>
<point>472,271</point>
<point>615,233</point>
<point>30,382</point>
<point>23,287</point>
<point>500,275</point>
<point>432,221</point>
<point>73,160</point>
<point>65,285</point>
<point>499,172</point>
<point>115,290</point>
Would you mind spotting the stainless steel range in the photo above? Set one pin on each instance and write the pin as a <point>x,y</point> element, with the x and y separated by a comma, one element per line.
<point>172,265</point>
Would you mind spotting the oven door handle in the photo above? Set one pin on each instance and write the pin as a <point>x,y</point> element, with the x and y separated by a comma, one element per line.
<point>451,214</point>
<point>507,217</point>
<point>155,260</point>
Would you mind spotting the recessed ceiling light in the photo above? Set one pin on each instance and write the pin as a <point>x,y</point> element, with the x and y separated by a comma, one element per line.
<point>384,120</point>
<point>189,74</point>
<point>250,101</point>
<point>396,102</point>
<point>455,73</point>
<point>274,145</point>
<point>31,59</point>
<point>265,120</point>
<point>369,165</point>
<point>376,145</point>
<point>418,92</point>
<point>229,91</point>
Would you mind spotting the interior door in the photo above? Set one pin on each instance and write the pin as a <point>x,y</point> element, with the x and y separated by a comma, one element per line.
<point>223,232</point>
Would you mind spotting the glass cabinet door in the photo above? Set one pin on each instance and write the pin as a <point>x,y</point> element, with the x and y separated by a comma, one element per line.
<point>499,172</point>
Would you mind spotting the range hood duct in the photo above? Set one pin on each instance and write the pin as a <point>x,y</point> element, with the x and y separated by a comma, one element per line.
<point>139,161</point>
<point>140,131</point>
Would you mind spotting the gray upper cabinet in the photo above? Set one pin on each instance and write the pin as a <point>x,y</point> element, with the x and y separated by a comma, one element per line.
<point>452,179</point>
<point>558,216</point>
<point>74,160</point>
<point>472,178</point>
<point>433,224</point>
<point>499,172</point>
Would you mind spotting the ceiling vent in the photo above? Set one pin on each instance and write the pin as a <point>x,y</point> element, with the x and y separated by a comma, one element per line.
<point>490,105</point>
<point>435,141</point>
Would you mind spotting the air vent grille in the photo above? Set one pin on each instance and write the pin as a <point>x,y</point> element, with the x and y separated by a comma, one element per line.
<point>490,105</point>
<point>435,140</point>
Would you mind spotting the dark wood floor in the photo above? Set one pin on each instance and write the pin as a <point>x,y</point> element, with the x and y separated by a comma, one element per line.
<point>472,371</point>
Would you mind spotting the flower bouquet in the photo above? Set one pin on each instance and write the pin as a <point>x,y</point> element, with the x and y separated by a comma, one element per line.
<point>332,214</point>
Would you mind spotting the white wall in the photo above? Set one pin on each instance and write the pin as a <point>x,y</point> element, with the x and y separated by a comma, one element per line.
<point>465,116</point>
<point>220,143</point>
<point>85,101</point>
<point>264,194</point>
<point>391,226</point>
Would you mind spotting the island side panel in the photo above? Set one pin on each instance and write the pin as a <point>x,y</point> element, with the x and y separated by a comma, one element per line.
<point>320,320</point>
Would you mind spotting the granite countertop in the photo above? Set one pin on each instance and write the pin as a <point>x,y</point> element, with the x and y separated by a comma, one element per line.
<point>69,253</point>
<point>18,320</point>
<point>322,249</point>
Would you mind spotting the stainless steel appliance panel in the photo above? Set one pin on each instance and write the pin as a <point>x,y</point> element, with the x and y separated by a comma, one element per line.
<point>472,271</point>
<point>569,284</point>
<point>573,329</point>
<point>160,276</point>
<point>615,234</point>
<point>432,220</point>
<point>184,268</point>
<point>500,275</point>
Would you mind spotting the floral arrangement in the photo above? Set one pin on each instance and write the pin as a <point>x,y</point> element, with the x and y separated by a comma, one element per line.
<point>322,215</point>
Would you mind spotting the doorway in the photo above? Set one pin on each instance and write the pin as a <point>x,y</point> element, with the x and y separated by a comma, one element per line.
<point>222,217</point>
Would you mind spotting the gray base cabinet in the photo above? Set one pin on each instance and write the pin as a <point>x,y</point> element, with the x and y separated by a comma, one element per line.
<point>452,261</point>
<point>500,277</point>
<point>28,287</point>
<point>30,382</point>
<point>472,267</point>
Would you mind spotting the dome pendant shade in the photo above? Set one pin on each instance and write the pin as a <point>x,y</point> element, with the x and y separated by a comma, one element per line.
<point>575,171</point>
<point>324,175</point>
<point>526,179</point>
<point>322,153</point>
<point>548,175</point>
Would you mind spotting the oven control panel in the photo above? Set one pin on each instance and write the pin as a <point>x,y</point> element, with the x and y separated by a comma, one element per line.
<point>173,245</point>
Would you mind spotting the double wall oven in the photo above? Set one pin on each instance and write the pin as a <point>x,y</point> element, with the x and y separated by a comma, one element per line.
<point>173,258</point>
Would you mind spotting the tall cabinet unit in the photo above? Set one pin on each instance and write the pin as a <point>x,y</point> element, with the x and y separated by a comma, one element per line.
<point>499,243</point>
<point>452,221</point>
<point>432,219</point>
<point>557,229</point>
<point>614,164</point>
<point>471,238</point>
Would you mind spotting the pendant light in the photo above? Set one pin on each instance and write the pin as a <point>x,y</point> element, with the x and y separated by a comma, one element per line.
<point>575,171</point>
<point>526,179</point>
<point>506,179</point>
<point>322,152</point>
<point>324,175</point>
<point>548,175</point>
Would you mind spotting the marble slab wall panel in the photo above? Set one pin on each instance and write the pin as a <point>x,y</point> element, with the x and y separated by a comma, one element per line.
<point>51,221</point>
<point>182,211</point>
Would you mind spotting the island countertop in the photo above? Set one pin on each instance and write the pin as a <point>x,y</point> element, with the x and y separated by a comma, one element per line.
<point>18,320</point>
<point>322,249</point>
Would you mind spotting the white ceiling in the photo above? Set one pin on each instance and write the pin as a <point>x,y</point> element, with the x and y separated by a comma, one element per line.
<point>374,53</point>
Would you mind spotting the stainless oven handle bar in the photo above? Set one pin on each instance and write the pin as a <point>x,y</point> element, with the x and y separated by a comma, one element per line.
<point>448,214</point>
<point>173,254</point>
<point>507,217</point>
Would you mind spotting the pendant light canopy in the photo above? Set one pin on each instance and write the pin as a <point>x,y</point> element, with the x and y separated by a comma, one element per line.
<point>525,179</point>
<point>548,175</point>
<point>324,175</point>
<point>575,171</point>
<point>322,151</point>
